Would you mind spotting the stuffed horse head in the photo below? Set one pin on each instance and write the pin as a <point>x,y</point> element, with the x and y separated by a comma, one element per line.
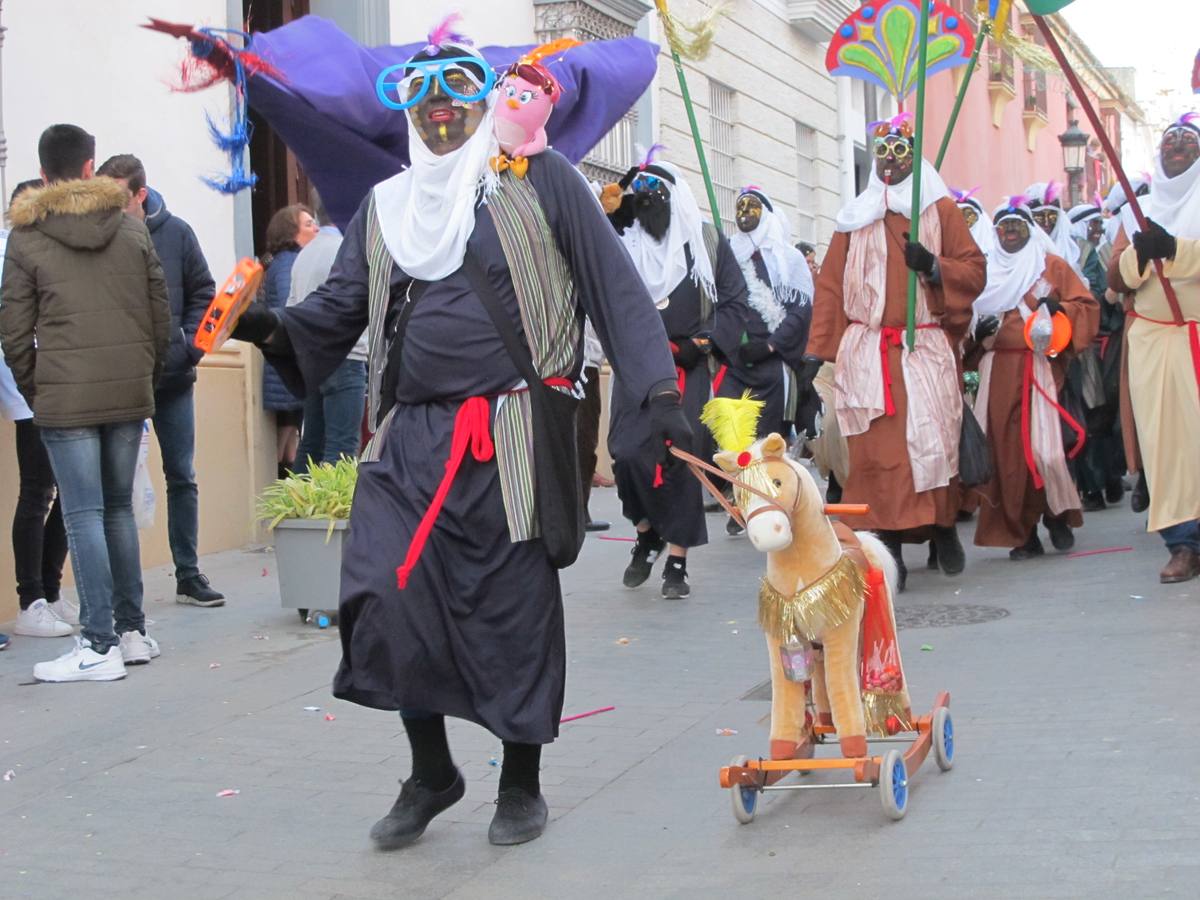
<point>773,524</point>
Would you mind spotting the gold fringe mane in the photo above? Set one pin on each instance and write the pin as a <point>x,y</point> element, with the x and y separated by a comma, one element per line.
<point>698,43</point>
<point>878,708</point>
<point>830,601</point>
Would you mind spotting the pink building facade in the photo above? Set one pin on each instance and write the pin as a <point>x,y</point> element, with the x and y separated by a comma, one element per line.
<point>1007,135</point>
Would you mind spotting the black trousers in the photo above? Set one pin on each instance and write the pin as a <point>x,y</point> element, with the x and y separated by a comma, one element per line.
<point>587,430</point>
<point>39,537</point>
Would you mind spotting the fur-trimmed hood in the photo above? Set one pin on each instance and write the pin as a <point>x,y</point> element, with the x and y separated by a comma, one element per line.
<point>84,214</point>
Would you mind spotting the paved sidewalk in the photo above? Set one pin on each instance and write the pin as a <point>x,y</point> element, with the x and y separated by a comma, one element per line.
<point>1073,697</point>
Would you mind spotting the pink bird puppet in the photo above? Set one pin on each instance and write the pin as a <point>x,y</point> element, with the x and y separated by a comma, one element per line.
<point>528,93</point>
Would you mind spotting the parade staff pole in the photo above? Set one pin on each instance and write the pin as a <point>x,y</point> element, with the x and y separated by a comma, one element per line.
<point>962,93</point>
<point>1110,152</point>
<point>918,134</point>
<point>691,114</point>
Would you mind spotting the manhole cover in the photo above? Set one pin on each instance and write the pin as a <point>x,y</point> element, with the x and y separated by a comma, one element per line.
<point>946,615</point>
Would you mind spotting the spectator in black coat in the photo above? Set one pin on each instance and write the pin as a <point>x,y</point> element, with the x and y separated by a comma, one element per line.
<point>190,288</point>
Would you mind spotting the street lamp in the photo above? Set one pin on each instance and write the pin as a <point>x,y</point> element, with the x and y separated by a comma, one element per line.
<point>1074,145</point>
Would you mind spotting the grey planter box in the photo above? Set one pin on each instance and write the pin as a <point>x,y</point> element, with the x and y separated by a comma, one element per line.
<point>309,569</point>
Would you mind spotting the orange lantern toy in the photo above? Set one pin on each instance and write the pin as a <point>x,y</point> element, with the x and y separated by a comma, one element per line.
<point>1060,338</point>
<point>227,306</point>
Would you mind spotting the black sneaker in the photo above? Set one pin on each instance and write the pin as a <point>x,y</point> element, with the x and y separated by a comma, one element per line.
<point>1031,548</point>
<point>1061,535</point>
<point>734,528</point>
<point>932,562</point>
<point>412,812</point>
<point>195,591</point>
<point>675,585</point>
<point>1092,501</point>
<point>647,549</point>
<point>519,817</point>
<point>1114,492</point>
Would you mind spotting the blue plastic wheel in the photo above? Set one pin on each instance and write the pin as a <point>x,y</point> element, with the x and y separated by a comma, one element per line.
<point>744,799</point>
<point>943,739</point>
<point>893,785</point>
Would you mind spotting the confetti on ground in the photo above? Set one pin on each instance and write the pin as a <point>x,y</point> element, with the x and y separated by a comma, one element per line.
<point>261,637</point>
<point>140,747</point>
<point>927,647</point>
<point>10,775</point>
<point>593,712</point>
<point>623,540</point>
<point>726,732</point>
<point>1082,553</point>
<point>329,717</point>
<point>735,631</point>
<point>731,622</point>
<point>312,709</point>
<point>214,665</point>
<point>228,792</point>
<point>264,574</point>
<point>493,761</point>
<point>622,641</point>
<point>1136,597</point>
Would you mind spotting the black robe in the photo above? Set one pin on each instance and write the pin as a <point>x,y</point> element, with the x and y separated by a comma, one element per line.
<point>675,509</point>
<point>478,632</point>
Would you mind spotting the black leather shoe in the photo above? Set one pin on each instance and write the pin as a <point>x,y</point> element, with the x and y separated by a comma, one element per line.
<point>412,812</point>
<point>1061,535</point>
<point>597,525</point>
<point>1031,548</point>
<point>950,556</point>
<point>1139,499</point>
<point>1092,501</point>
<point>520,817</point>
<point>932,562</point>
<point>1115,492</point>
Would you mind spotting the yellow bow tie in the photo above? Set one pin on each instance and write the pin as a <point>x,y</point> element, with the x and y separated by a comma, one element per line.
<point>518,166</point>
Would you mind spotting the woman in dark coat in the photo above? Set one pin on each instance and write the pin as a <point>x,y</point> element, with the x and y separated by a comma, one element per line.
<point>287,233</point>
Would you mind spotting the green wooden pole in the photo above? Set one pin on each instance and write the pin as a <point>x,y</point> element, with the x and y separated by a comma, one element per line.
<point>922,56</point>
<point>962,94</point>
<point>691,114</point>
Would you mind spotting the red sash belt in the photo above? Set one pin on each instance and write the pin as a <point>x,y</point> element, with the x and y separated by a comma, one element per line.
<point>1028,385</point>
<point>472,428</point>
<point>891,337</point>
<point>1193,338</point>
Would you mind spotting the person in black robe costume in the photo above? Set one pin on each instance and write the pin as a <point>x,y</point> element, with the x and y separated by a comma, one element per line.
<point>477,633</point>
<point>704,313</point>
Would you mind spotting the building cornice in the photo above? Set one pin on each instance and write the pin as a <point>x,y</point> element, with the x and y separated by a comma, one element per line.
<point>817,20</point>
<point>629,12</point>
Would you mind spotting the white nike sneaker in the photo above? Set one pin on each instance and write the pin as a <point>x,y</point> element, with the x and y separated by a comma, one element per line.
<point>82,663</point>
<point>135,649</point>
<point>40,621</point>
<point>65,610</point>
<point>152,646</point>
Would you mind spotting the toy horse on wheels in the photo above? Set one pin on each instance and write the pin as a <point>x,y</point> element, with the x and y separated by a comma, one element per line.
<point>825,607</point>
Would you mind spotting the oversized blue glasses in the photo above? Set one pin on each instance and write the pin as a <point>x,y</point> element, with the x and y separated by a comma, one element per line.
<point>646,182</point>
<point>421,75</point>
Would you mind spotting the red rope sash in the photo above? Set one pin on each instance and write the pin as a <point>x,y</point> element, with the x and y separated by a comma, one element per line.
<point>472,428</point>
<point>891,337</point>
<point>1028,385</point>
<point>1193,338</point>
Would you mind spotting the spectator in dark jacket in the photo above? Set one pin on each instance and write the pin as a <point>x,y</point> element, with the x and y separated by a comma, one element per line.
<point>190,288</point>
<point>83,277</point>
<point>288,232</point>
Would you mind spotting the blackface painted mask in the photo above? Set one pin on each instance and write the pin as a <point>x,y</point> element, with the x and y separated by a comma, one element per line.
<point>748,213</point>
<point>652,205</point>
<point>445,97</point>
<point>893,159</point>
<point>1179,150</point>
<point>1012,234</point>
<point>1047,217</point>
<point>970,215</point>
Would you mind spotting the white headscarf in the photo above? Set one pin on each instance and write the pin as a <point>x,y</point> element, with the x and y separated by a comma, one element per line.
<point>1116,203</point>
<point>427,212</point>
<point>1011,275</point>
<point>1174,203</point>
<point>1080,216</point>
<point>791,278</point>
<point>878,198</point>
<point>663,264</point>
<point>982,231</point>
<point>1044,193</point>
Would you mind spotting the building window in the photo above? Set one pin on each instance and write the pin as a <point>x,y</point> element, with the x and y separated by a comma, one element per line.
<point>722,115</point>
<point>806,182</point>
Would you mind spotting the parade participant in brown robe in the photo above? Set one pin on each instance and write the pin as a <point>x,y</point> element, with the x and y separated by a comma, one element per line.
<point>900,410</point>
<point>1018,402</point>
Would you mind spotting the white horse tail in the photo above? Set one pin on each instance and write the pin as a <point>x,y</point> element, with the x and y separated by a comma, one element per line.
<point>881,558</point>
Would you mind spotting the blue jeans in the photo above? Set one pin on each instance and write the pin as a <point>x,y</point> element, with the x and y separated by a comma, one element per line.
<point>94,467</point>
<point>333,415</point>
<point>175,427</point>
<point>1185,534</point>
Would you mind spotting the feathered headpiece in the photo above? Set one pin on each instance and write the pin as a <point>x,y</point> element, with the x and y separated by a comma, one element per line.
<point>755,191</point>
<point>648,166</point>
<point>1015,206</point>
<point>897,126</point>
<point>733,421</point>
<point>1190,120</point>
<point>1043,194</point>
<point>967,198</point>
<point>443,34</point>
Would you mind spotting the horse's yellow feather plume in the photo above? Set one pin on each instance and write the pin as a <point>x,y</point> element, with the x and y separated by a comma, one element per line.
<point>733,422</point>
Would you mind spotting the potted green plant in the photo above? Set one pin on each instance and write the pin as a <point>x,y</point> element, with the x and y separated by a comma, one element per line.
<point>308,512</point>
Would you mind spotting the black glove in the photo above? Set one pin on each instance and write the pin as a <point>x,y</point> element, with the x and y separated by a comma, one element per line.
<point>986,327</point>
<point>256,325</point>
<point>1153,242</point>
<point>754,352</point>
<point>1051,304</point>
<point>688,353</point>
<point>917,258</point>
<point>807,372</point>
<point>670,426</point>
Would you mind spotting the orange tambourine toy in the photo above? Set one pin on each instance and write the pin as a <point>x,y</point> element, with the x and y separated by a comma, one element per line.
<point>1060,337</point>
<point>227,306</point>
